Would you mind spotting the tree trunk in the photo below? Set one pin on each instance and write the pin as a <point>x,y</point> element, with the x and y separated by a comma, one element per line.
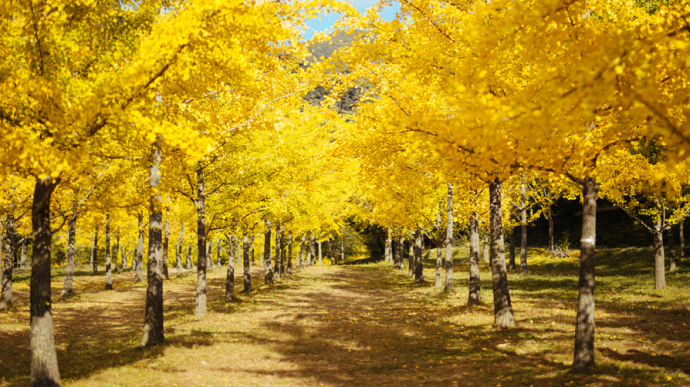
<point>94,252</point>
<point>398,257</point>
<point>395,252</point>
<point>485,250</point>
<point>511,264</point>
<point>312,252</point>
<point>503,309</point>
<point>301,258</point>
<point>179,252</point>
<point>276,264</point>
<point>6,294</point>
<point>682,238</point>
<point>320,260</point>
<point>659,258</point>
<point>475,281</point>
<point>219,262</point>
<point>449,239</point>
<point>44,365</point>
<point>230,278</point>
<point>268,277</point>
<point>289,257</point>
<point>342,249</point>
<point>583,359</point>
<point>166,244</point>
<point>671,250</point>
<point>108,273</point>
<point>410,259</point>
<point>550,216</point>
<point>117,249</point>
<point>439,253</point>
<point>245,260</point>
<point>22,254</point>
<point>153,320</point>
<point>189,256</point>
<point>418,267</point>
<point>93,243</point>
<point>523,226</point>
<point>389,247</point>
<point>202,259</point>
<point>69,268</point>
<point>283,251</point>
<point>138,275</point>
<point>238,249</point>
<point>330,251</point>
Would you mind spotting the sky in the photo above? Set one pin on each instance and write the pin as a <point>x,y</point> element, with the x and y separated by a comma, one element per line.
<point>362,5</point>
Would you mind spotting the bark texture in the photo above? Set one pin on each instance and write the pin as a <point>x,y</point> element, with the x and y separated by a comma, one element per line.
<point>67,290</point>
<point>44,365</point>
<point>245,262</point>
<point>276,264</point>
<point>439,254</point>
<point>94,252</point>
<point>485,247</point>
<point>389,248</point>
<point>289,254</point>
<point>659,258</point>
<point>6,292</point>
<point>230,277</point>
<point>108,270</point>
<point>671,250</point>
<point>202,258</point>
<point>153,319</point>
<point>449,239</point>
<point>139,258</point>
<point>583,359</point>
<point>410,260</point>
<point>268,277</point>
<point>166,243</point>
<point>418,268</point>
<point>320,259</point>
<point>503,309</point>
<point>475,282</point>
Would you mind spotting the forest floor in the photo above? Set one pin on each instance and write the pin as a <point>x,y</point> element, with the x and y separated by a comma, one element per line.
<point>366,326</point>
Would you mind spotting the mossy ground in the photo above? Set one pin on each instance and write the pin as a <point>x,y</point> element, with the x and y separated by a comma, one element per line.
<point>366,325</point>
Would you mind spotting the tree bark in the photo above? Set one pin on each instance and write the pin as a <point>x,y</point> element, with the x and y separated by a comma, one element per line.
<point>153,319</point>
<point>268,277</point>
<point>342,248</point>
<point>202,258</point>
<point>440,249</point>
<point>276,264</point>
<point>397,258</point>
<point>230,278</point>
<point>289,257</point>
<point>69,268</point>
<point>245,260</point>
<point>283,251</point>
<point>503,309</point>
<point>659,258</point>
<point>301,258</point>
<point>583,359</point>
<point>166,244</point>
<point>44,365</point>
<point>410,259</point>
<point>178,258</point>
<point>312,255</point>
<point>389,248</point>
<point>485,250</point>
<point>189,256</point>
<point>671,250</point>
<point>682,238</point>
<point>117,249</point>
<point>449,239</point>
<point>418,267</point>
<point>139,272</point>
<point>94,252</point>
<point>523,226</point>
<point>108,272</point>
<point>219,262</point>
<point>22,254</point>
<point>93,243</point>
<point>6,293</point>
<point>320,260</point>
<point>475,281</point>
<point>550,217</point>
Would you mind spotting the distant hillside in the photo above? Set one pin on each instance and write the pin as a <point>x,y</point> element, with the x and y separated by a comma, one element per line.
<point>347,103</point>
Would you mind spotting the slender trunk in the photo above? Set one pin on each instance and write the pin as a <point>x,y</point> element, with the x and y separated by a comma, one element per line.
<point>44,365</point>
<point>6,294</point>
<point>439,254</point>
<point>245,261</point>
<point>449,239</point>
<point>93,242</point>
<point>397,257</point>
<point>166,243</point>
<point>418,268</point>
<point>485,252</point>
<point>117,249</point>
<point>311,249</point>
<point>283,251</point>
<point>389,247</point>
<point>301,258</point>
<point>320,260</point>
<point>268,277</point>
<point>583,359</point>
<point>153,319</point>
<point>253,258</point>
<point>395,252</point>
<point>659,258</point>
<point>410,260</point>
<point>550,217</point>
<point>523,226</point>
<point>401,255</point>
<point>219,262</point>
<point>238,249</point>
<point>671,250</point>
<point>276,264</point>
<point>108,273</point>
<point>342,248</point>
<point>511,264</point>
<point>682,238</point>
<point>189,256</point>
<point>289,257</point>
<point>22,254</point>
<point>503,309</point>
<point>475,281</point>
<point>179,252</point>
<point>201,260</point>
<point>69,269</point>
<point>94,252</point>
<point>230,278</point>
<point>139,273</point>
